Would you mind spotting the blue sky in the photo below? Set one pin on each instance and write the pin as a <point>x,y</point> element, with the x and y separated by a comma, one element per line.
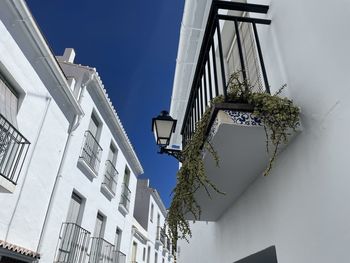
<point>133,45</point>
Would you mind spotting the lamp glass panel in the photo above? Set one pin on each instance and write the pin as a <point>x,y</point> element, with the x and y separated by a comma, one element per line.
<point>163,141</point>
<point>155,131</point>
<point>164,128</point>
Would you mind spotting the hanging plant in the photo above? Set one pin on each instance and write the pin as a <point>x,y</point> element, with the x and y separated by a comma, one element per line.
<point>279,116</point>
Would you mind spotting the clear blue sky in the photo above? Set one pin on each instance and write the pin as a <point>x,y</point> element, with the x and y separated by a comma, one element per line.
<point>133,45</point>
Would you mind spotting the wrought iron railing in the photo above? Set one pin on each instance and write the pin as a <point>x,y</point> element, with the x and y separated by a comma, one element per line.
<point>168,243</point>
<point>120,257</point>
<point>73,244</point>
<point>13,150</point>
<point>110,179</point>
<point>101,251</point>
<point>218,59</point>
<point>125,196</point>
<point>91,152</point>
<point>161,235</point>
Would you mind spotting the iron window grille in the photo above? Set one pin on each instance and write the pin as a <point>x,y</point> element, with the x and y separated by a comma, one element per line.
<point>110,178</point>
<point>13,150</point>
<point>120,257</point>
<point>91,152</point>
<point>73,244</point>
<point>101,251</point>
<point>161,235</point>
<point>125,196</point>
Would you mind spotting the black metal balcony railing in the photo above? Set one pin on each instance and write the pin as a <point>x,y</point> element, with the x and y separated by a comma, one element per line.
<point>168,243</point>
<point>91,152</point>
<point>110,180</point>
<point>73,244</point>
<point>125,196</point>
<point>120,257</point>
<point>101,251</point>
<point>13,150</point>
<point>161,235</point>
<point>218,59</point>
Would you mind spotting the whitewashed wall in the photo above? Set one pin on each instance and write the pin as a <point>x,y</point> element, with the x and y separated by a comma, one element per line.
<point>74,179</point>
<point>301,207</point>
<point>25,221</point>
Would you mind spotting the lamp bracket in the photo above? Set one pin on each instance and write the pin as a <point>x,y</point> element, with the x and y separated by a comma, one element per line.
<point>172,152</point>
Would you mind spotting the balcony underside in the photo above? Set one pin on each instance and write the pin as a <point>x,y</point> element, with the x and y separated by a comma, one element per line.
<point>240,142</point>
<point>6,186</point>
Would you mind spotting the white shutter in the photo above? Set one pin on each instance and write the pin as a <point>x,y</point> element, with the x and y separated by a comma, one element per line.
<point>8,103</point>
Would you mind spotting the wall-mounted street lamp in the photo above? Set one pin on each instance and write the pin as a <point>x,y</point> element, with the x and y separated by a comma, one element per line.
<point>163,126</point>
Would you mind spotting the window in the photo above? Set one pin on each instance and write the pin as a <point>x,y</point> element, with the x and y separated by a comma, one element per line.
<point>8,102</point>
<point>144,254</point>
<point>148,254</point>
<point>75,209</point>
<point>110,176</point>
<point>99,226</point>
<point>118,239</point>
<point>250,56</point>
<point>151,215</point>
<point>13,146</point>
<point>69,244</point>
<point>95,126</point>
<point>91,152</point>
<point>155,257</point>
<point>126,179</point>
<point>125,196</point>
<point>134,252</point>
<point>112,154</point>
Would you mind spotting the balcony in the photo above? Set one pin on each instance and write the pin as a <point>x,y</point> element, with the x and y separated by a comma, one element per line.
<point>230,44</point>
<point>120,257</point>
<point>125,199</point>
<point>160,238</point>
<point>102,251</point>
<point>73,244</point>
<point>13,151</point>
<point>168,244</point>
<point>109,183</point>
<point>90,158</point>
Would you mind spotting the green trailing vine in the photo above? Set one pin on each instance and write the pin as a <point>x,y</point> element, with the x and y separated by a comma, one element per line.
<point>279,116</point>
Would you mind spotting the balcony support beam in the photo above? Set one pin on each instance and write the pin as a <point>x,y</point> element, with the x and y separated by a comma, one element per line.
<point>245,19</point>
<point>244,7</point>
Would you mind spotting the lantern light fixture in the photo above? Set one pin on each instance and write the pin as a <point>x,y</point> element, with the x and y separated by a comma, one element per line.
<point>163,126</point>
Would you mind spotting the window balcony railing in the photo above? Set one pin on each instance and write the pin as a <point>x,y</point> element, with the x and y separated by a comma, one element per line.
<point>13,150</point>
<point>120,257</point>
<point>161,235</point>
<point>125,197</point>
<point>230,44</point>
<point>168,243</point>
<point>91,152</point>
<point>101,251</point>
<point>110,179</point>
<point>73,244</point>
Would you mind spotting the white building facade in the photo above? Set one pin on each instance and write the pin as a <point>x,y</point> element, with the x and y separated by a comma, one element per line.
<point>297,213</point>
<point>68,170</point>
<point>150,242</point>
<point>38,112</point>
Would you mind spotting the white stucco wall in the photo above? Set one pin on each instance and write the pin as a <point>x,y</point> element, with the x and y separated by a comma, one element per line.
<point>146,198</point>
<point>300,207</point>
<point>25,220</point>
<point>73,178</point>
